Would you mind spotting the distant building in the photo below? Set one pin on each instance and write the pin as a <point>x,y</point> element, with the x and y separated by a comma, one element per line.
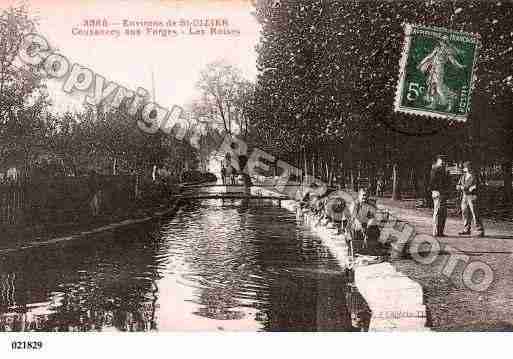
<point>12,174</point>
<point>11,167</point>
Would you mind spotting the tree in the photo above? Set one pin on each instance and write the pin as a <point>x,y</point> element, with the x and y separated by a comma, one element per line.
<point>23,96</point>
<point>225,97</point>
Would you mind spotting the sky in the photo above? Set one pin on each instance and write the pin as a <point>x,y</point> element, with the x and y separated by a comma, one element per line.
<point>130,61</point>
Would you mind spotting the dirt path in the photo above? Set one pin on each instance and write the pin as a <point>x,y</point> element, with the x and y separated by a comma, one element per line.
<point>450,304</point>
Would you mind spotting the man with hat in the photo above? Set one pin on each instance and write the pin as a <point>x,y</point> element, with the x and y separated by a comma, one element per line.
<point>468,185</point>
<point>364,224</point>
<point>439,185</point>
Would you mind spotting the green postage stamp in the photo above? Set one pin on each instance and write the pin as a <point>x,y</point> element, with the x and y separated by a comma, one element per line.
<point>437,72</point>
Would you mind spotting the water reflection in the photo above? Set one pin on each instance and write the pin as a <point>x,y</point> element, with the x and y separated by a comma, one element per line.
<point>217,265</point>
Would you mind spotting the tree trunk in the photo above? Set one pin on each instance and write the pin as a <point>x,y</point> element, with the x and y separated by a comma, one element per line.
<point>330,170</point>
<point>396,191</point>
<point>507,176</point>
<point>305,172</point>
<point>415,180</point>
<point>327,172</point>
<point>373,179</point>
<point>154,173</point>
<point>354,179</point>
<point>136,189</point>
<point>313,166</point>
<point>425,188</point>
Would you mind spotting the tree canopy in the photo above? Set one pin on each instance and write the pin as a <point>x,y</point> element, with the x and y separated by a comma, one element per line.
<point>328,72</point>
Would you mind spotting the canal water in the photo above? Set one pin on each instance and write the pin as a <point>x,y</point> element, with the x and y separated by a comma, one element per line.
<point>215,265</point>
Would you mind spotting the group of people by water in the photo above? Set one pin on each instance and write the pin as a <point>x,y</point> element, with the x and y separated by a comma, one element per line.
<point>356,219</point>
<point>228,174</point>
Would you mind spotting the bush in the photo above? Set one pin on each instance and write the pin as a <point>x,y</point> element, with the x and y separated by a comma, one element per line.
<point>197,176</point>
<point>210,177</point>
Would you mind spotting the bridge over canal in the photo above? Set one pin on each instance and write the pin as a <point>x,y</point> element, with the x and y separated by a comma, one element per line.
<point>227,192</point>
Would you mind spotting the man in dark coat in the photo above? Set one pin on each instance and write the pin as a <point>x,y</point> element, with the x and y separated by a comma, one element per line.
<point>439,185</point>
<point>223,173</point>
<point>468,185</point>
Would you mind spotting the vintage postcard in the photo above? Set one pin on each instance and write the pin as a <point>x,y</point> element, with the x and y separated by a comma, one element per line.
<point>254,166</point>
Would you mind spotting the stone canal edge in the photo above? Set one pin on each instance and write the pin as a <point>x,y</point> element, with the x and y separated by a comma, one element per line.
<point>85,234</point>
<point>396,301</point>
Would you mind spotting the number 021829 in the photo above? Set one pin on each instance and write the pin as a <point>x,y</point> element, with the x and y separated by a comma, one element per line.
<point>22,345</point>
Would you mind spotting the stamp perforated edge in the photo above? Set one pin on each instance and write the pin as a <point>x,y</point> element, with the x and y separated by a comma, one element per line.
<point>402,74</point>
<point>402,67</point>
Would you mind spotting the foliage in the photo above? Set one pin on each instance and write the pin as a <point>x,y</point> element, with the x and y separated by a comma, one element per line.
<point>225,98</point>
<point>197,176</point>
<point>328,72</point>
<point>23,96</point>
<point>42,142</point>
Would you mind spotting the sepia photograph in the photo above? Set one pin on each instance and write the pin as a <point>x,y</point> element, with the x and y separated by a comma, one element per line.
<point>200,166</point>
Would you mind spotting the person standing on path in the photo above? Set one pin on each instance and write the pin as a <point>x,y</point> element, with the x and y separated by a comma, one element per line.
<point>439,185</point>
<point>231,172</point>
<point>380,185</point>
<point>468,185</point>
<point>223,173</point>
<point>95,193</point>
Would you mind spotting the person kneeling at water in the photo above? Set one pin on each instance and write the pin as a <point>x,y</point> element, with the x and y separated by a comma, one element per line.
<point>363,224</point>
